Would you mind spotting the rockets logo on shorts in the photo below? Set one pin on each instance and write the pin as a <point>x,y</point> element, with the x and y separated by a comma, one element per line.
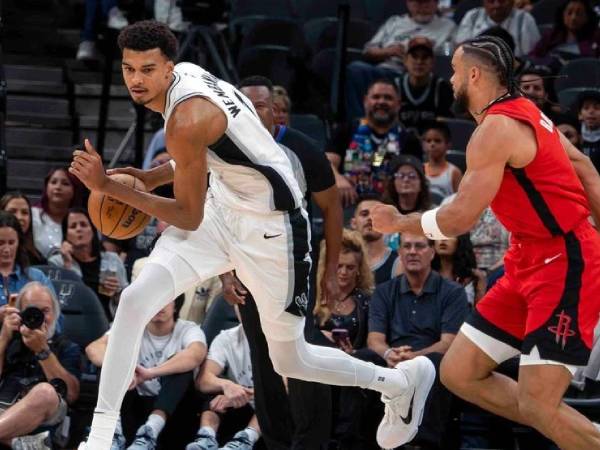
<point>562,330</point>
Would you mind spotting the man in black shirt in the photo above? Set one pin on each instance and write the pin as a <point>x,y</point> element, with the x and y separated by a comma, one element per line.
<point>360,152</point>
<point>425,96</point>
<point>309,403</point>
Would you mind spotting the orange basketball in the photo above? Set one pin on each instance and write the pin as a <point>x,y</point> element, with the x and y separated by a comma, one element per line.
<point>114,218</point>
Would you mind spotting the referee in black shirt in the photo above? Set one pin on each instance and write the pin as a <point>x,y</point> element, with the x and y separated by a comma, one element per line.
<point>301,418</point>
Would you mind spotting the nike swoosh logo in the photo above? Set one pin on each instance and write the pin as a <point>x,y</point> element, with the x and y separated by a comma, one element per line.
<point>271,236</point>
<point>549,260</point>
<point>408,417</point>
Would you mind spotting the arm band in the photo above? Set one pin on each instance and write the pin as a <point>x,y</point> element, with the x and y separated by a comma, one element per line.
<point>430,226</point>
<point>172,162</point>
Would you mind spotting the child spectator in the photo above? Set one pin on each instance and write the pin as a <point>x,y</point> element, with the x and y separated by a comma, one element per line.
<point>444,177</point>
<point>589,115</point>
<point>229,355</point>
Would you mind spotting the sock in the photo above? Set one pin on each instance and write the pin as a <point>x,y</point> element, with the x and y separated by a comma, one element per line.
<point>156,422</point>
<point>119,427</point>
<point>252,434</point>
<point>207,431</point>
<point>390,382</point>
<point>103,429</point>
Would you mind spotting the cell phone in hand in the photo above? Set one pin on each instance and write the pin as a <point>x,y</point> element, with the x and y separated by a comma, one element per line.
<point>339,335</point>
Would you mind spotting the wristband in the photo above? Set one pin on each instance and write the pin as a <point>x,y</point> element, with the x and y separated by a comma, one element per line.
<point>387,352</point>
<point>430,226</point>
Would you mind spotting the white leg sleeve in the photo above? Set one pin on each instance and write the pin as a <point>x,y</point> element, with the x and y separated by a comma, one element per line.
<point>154,288</point>
<point>299,359</point>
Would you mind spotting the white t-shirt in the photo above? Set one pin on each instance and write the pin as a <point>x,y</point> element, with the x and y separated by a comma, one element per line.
<point>230,350</point>
<point>155,350</point>
<point>47,234</point>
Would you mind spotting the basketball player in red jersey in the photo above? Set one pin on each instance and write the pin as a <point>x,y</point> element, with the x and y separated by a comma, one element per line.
<point>547,305</point>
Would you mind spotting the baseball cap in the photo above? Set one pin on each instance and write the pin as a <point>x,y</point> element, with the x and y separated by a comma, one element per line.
<point>420,42</point>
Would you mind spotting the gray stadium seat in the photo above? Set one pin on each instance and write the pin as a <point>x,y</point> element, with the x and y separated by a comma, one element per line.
<point>59,273</point>
<point>310,125</point>
<point>575,77</point>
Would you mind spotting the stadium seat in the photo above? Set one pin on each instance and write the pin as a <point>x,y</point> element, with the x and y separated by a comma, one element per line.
<point>85,320</point>
<point>461,131</point>
<point>322,64</point>
<point>59,273</point>
<point>310,9</point>
<point>274,31</point>
<point>463,7</point>
<point>543,11</point>
<point>270,8</point>
<point>458,158</point>
<point>321,33</point>
<point>442,66</point>
<point>272,61</point>
<point>575,77</point>
<point>220,316</point>
<point>312,126</point>
<point>381,10</point>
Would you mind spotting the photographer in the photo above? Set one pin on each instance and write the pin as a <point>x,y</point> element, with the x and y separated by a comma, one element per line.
<point>39,368</point>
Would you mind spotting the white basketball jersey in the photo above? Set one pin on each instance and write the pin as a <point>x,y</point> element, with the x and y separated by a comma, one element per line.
<point>248,169</point>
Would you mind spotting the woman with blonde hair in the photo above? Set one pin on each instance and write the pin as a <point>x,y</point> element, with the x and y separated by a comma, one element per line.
<point>345,321</point>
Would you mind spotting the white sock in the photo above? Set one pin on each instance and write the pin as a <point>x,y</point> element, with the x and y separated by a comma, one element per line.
<point>390,382</point>
<point>207,431</point>
<point>252,434</point>
<point>156,422</point>
<point>103,429</point>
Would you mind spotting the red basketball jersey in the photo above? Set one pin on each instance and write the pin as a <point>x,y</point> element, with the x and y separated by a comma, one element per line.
<point>545,198</point>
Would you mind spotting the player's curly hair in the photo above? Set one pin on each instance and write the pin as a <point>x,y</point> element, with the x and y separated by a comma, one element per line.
<point>149,34</point>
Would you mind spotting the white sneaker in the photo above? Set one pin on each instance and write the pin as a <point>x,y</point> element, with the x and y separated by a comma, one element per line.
<point>404,413</point>
<point>86,51</point>
<point>116,19</point>
<point>40,441</point>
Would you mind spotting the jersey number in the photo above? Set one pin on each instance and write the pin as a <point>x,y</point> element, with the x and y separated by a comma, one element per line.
<point>546,122</point>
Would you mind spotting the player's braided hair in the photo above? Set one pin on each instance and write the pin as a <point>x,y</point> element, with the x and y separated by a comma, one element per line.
<point>496,53</point>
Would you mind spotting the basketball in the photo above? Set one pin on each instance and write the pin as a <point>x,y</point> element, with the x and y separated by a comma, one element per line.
<point>114,218</point>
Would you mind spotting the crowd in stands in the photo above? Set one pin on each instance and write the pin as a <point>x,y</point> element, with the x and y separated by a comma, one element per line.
<point>400,296</point>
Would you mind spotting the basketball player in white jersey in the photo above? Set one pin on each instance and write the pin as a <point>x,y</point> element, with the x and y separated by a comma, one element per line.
<point>250,220</point>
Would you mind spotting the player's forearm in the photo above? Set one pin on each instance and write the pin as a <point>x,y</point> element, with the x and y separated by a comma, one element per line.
<point>184,361</point>
<point>160,176</point>
<point>168,210</point>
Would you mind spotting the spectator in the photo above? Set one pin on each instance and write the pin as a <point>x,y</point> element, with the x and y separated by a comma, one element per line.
<point>454,260</point>
<point>282,106</point>
<point>300,417</point>
<point>14,264</point>
<point>589,115</point>
<point>425,96</point>
<point>382,260</point>
<point>387,48</point>
<point>109,10</point>
<point>19,205</point>
<point>61,192</point>
<point>569,126</point>
<point>39,370</point>
<point>575,34</point>
<point>229,355</point>
<point>345,325</point>
<point>531,83</point>
<point>418,313</point>
<point>356,282</point>
<point>443,177</point>
<point>171,350</point>
<point>408,189</point>
<point>80,252</point>
<point>519,23</point>
<point>366,146</point>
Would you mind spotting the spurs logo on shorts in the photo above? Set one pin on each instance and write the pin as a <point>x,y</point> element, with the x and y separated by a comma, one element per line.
<point>562,330</point>
<point>301,301</point>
